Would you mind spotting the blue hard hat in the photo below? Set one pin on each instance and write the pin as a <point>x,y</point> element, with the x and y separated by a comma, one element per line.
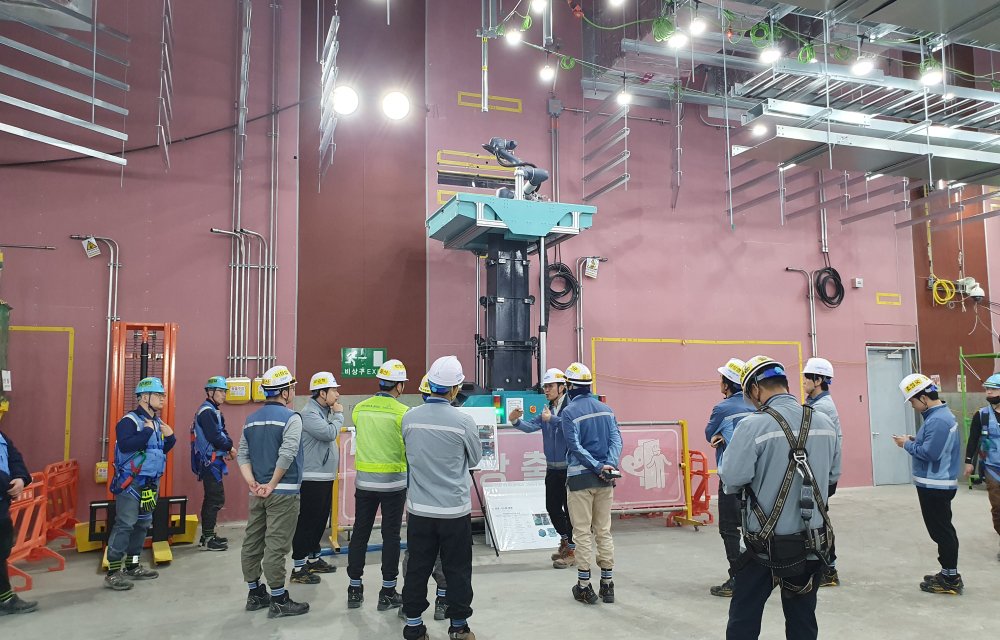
<point>149,385</point>
<point>216,382</point>
<point>993,382</point>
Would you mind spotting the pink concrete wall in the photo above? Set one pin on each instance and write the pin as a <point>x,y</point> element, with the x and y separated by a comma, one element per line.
<point>672,274</point>
<point>173,269</point>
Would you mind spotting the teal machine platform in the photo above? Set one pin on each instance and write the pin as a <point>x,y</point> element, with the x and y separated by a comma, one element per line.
<point>502,232</point>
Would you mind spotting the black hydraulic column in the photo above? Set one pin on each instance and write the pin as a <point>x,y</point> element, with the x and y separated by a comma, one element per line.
<point>507,346</point>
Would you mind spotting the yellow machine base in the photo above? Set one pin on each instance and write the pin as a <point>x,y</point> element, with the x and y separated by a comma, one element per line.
<point>190,535</point>
<point>82,532</point>
<point>162,552</point>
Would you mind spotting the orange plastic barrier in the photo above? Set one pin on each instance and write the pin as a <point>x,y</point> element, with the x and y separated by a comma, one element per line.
<point>29,514</point>
<point>61,480</point>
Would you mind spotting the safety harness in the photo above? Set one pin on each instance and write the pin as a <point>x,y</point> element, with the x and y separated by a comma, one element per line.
<point>788,555</point>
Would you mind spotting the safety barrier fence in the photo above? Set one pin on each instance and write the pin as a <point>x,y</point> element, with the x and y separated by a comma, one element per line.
<point>40,513</point>
<point>661,475</point>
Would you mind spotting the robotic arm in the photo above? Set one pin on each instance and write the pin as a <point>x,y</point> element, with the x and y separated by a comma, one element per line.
<point>533,176</point>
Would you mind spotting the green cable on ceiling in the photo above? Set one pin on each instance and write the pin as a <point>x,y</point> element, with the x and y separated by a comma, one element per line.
<point>663,28</point>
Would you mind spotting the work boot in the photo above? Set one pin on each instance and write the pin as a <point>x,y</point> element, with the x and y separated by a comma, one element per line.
<point>461,633</point>
<point>389,599</point>
<point>585,594</point>
<point>258,598</point>
<point>563,546</point>
<point>830,578</point>
<point>724,590</point>
<point>283,606</point>
<point>355,596</point>
<point>139,572</point>
<point>319,565</point>
<point>118,581</point>
<point>214,544</point>
<point>440,607</point>
<point>15,605</point>
<point>567,560</point>
<point>607,592</point>
<point>303,575</point>
<point>940,583</point>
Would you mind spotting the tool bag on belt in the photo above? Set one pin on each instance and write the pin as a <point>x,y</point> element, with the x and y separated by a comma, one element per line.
<point>795,554</point>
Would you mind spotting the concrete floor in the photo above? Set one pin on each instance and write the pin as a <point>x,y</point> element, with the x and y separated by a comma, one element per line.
<point>662,579</point>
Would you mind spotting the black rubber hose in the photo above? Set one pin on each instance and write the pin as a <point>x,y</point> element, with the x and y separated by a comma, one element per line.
<point>824,278</point>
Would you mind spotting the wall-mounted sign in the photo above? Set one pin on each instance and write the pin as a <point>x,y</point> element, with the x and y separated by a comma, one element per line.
<point>361,363</point>
<point>90,246</point>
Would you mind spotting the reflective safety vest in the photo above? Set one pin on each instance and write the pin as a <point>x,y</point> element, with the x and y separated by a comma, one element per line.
<point>149,462</point>
<point>989,441</point>
<point>203,453</point>
<point>4,457</point>
<point>378,424</point>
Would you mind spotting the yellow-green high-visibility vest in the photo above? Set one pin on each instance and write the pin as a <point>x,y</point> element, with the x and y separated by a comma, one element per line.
<point>379,435</point>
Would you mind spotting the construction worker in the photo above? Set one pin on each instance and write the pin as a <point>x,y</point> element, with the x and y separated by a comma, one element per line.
<point>14,477</point>
<point>440,606</point>
<point>142,442</point>
<point>322,419</point>
<point>937,461</point>
<point>554,446</point>
<point>719,431</point>
<point>380,461</point>
<point>442,444</point>
<point>780,458</point>
<point>211,446</point>
<point>270,458</point>
<point>817,378</point>
<point>984,445</point>
<point>593,447</point>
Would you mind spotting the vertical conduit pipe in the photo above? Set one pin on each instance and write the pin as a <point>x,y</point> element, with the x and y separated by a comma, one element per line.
<point>579,303</point>
<point>810,277</point>
<point>272,264</point>
<point>263,260</point>
<point>234,303</point>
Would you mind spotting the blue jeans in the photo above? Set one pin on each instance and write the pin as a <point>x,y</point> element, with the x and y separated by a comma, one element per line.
<point>129,532</point>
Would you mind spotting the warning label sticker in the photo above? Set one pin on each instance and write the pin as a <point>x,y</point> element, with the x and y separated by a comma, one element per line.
<point>90,246</point>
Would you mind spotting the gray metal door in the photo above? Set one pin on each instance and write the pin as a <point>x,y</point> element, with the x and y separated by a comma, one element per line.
<point>888,414</point>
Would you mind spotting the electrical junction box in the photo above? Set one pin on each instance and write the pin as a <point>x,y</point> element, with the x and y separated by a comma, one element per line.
<point>858,283</point>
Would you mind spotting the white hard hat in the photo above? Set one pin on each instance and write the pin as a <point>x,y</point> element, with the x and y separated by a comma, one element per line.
<point>446,372</point>
<point>733,370</point>
<point>819,366</point>
<point>276,379</point>
<point>578,373</point>
<point>553,375</point>
<point>914,384</point>
<point>759,367</point>
<point>323,380</point>
<point>392,371</point>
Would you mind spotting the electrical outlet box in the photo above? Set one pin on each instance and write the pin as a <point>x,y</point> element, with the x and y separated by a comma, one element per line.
<point>858,283</point>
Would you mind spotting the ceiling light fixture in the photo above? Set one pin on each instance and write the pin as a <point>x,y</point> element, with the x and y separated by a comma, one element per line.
<point>759,130</point>
<point>677,40</point>
<point>345,100</point>
<point>617,3</point>
<point>770,55</point>
<point>395,105</point>
<point>547,73</point>
<point>862,66</point>
<point>930,72</point>
<point>538,5</point>
<point>513,36</point>
<point>624,97</point>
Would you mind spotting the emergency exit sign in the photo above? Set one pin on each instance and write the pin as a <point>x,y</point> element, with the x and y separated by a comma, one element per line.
<point>361,363</point>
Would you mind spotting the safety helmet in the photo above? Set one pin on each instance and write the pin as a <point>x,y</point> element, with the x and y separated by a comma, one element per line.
<point>323,380</point>
<point>276,380</point>
<point>392,371</point>
<point>446,372</point>
<point>758,368</point>
<point>149,385</point>
<point>554,375</point>
<point>425,387</point>
<point>216,382</point>
<point>993,382</point>
<point>733,370</point>
<point>579,374</point>
<point>819,367</point>
<point>914,384</point>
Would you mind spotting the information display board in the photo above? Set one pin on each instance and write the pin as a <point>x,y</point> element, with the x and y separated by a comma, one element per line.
<point>486,421</point>
<point>518,517</point>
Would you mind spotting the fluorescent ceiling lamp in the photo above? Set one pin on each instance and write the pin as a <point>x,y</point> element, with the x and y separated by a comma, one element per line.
<point>759,130</point>
<point>513,36</point>
<point>538,5</point>
<point>698,25</point>
<point>677,40</point>
<point>395,105</point>
<point>547,73</point>
<point>345,100</point>
<point>863,66</point>
<point>624,97</point>
<point>770,54</point>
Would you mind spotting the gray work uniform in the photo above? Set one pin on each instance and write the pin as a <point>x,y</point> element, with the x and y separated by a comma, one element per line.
<point>320,426</point>
<point>823,403</point>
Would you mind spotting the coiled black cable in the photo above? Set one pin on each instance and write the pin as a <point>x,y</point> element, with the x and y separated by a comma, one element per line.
<point>824,277</point>
<point>559,271</point>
